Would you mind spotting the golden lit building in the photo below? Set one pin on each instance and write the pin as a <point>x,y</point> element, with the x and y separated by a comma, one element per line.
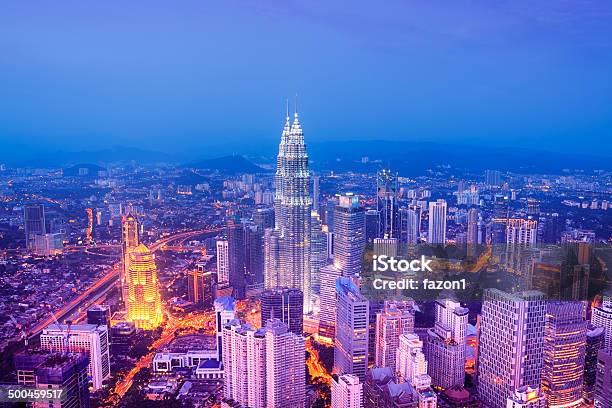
<point>129,241</point>
<point>143,300</point>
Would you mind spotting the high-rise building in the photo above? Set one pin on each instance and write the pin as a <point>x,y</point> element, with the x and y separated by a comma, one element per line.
<point>410,224</point>
<point>351,340</point>
<point>492,178</point>
<point>526,397</point>
<point>200,286</point>
<point>601,316</point>
<point>222,262</point>
<point>603,384</point>
<point>437,222</point>
<point>445,348</point>
<point>265,367</point>
<point>372,224</point>
<point>349,235</point>
<point>237,261</point>
<point>327,301</point>
<point>511,344</point>
<point>143,297</point>
<point>130,239</point>
<point>521,232</point>
<point>316,192</point>
<point>387,203</point>
<point>285,361</point>
<point>564,352</point>
<point>285,305</point>
<point>472,226</point>
<point>411,364</point>
<point>346,391</point>
<point>34,222</point>
<point>254,254</point>
<point>81,338</point>
<point>55,371</point>
<point>225,311</point>
<point>396,318</point>
<point>318,254</point>
<point>594,343</point>
<point>292,206</point>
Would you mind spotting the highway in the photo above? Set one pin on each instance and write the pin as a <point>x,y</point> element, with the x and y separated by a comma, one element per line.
<point>105,283</point>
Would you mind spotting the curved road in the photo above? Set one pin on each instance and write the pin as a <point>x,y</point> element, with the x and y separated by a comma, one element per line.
<point>108,280</point>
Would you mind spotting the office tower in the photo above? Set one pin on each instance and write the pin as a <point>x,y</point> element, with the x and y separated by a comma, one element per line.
<point>81,338</point>
<point>122,337</point>
<point>564,352</point>
<point>349,235</point>
<point>386,246</point>
<point>130,239</point>
<point>327,301</point>
<point>372,224</point>
<point>254,255</point>
<point>48,244</point>
<point>222,262</point>
<point>552,227</point>
<point>386,200</point>
<point>446,344</point>
<point>225,311</point>
<point>396,318</point>
<point>316,192</point>
<point>330,206</point>
<point>410,224</point>
<point>500,219</point>
<point>55,371</point>
<point>318,254</point>
<point>411,364</point>
<point>437,222</point>
<point>533,207</point>
<point>236,245</point>
<point>603,384</point>
<point>290,243</point>
<point>244,358</point>
<point>34,222</point>
<point>99,315</point>
<point>472,226</point>
<point>526,397</point>
<point>521,232</point>
<point>601,316</point>
<point>143,297</point>
<point>351,341</point>
<point>346,391</point>
<point>264,218</point>
<point>511,344</point>
<point>492,178</point>
<point>594,343</point>
<point>285,360</point>
<point>200,287</point>
<point>285,305</point>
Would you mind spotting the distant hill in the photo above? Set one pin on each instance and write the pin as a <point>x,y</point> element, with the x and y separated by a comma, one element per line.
<point>228,164</point>
<point>83,170</point>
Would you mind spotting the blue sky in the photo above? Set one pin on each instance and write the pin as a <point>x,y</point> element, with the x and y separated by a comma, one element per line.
<point>195,76</point>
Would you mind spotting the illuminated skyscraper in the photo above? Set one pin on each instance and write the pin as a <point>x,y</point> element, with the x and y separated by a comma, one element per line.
<point>564,351</point>
<point>521,232</point>
<point>395,319</point>
<point>472,226</point>
<point>511,344</point>
<point>602,317</point>
<point>237,262</point>
<point>285,305</point>
<point>526,397</point>
<point>410,224</point>
<point>437,222</point>
<point>594,343</point>
<point>349,235</point>
<point>327,301</point>
<point>292,207</point>
<point>222,262</point>
<point>603,385</point>
<point>143,298</point>
<point>351,343</point>
<point>200,288</point>
<point>129,241</point>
